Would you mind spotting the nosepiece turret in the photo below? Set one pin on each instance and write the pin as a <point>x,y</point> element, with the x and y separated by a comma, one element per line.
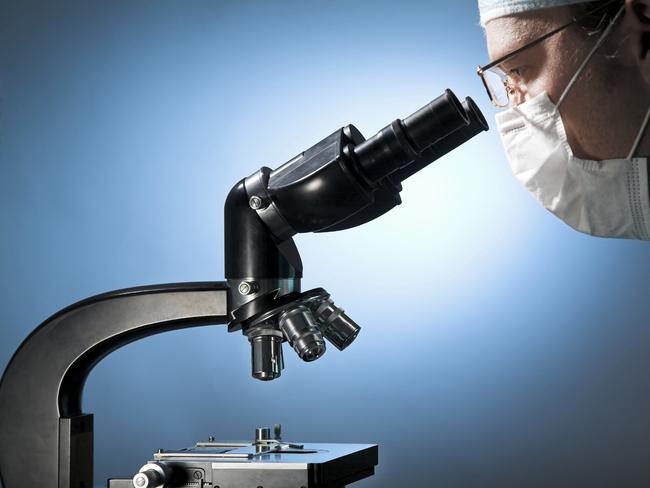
<point>304,322</point>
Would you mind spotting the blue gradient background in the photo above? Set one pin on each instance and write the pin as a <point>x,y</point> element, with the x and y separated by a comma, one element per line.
<point>499,347</point>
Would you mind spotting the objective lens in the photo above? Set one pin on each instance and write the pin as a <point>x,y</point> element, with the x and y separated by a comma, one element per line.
<point>302,333</point>
<point>266,355</point>
<point>336,326</point>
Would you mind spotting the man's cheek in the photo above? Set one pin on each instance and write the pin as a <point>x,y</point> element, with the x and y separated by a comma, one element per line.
<point>583,122</point>
<point>575,122</point>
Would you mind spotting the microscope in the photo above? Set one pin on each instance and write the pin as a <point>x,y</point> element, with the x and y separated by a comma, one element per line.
<point>343,181</point>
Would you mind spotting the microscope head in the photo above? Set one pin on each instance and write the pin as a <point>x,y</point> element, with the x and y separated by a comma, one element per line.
<point>341,182</point>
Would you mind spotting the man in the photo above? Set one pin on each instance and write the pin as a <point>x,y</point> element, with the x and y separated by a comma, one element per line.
<point>573,80</point>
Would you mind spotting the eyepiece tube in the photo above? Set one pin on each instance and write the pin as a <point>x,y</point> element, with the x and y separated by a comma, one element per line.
<point>477,124</point>
<point>403,140</point>
<point>435,120</point>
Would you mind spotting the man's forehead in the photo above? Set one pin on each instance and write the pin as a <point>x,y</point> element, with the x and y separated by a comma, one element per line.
<point>505,34</point>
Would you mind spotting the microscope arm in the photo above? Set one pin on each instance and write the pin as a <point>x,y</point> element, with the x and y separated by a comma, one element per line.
<point>45,438</point>
<point>341,182</point>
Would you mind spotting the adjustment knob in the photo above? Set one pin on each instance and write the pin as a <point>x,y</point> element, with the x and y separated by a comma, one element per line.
<point>153,475</point>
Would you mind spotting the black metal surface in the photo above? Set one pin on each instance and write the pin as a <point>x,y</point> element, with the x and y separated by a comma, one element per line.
<point>75,450</point>
<point>45,439</point>
<point>386,198</point>
<point>344,470</point>
<point>251,250</point>
<point>320,187</point>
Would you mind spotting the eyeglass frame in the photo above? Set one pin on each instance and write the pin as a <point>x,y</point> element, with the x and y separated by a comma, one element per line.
<point>480,70</point>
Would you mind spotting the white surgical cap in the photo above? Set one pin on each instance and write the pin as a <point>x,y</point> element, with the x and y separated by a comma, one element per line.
<point>491,9</point>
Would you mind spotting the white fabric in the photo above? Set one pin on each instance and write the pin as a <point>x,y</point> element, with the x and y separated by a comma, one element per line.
<point>491,9</point>
<point>602,198</point>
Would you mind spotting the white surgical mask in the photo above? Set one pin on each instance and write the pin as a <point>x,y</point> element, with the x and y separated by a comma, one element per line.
<point>601,198</point>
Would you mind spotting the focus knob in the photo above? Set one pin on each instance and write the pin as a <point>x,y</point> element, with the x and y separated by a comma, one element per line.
<point>153,475</point>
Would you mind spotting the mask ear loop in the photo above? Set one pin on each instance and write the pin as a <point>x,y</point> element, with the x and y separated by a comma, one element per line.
<point>595,48</point>
<point>637,141</point>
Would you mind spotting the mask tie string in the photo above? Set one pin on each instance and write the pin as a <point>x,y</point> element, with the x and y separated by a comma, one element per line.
<point>595,48</point>
<point>639,135</point>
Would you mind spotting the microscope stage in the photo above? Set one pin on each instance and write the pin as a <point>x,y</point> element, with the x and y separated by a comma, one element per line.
<point>250,465</point>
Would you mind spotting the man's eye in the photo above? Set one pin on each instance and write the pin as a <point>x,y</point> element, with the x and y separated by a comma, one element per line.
<point>517,72</point>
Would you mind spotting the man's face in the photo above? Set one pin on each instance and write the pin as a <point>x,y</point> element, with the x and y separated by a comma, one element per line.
<point>605,108</point>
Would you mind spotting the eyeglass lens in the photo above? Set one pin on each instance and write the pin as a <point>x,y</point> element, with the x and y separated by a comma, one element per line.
<point>496,81</point>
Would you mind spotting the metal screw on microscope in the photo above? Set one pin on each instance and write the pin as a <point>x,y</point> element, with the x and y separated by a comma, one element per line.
<point>256,203</point>
<point>140,480</point>
<point>247,287</point>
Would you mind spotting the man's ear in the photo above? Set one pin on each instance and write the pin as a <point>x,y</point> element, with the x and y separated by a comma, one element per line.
<point>637,20</point>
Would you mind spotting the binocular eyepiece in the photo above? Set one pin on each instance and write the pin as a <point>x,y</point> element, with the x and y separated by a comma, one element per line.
<point>419,139</point>
<point>304,325</point>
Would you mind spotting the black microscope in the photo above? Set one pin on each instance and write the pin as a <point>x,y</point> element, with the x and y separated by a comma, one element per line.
<point>46,439</point>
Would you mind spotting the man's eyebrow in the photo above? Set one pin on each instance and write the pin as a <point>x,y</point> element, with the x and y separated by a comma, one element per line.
<point>514,43</point>
<point>512,59</point>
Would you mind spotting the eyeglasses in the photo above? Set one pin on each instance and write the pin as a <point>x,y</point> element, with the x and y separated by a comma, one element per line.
<point>501,86</point>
